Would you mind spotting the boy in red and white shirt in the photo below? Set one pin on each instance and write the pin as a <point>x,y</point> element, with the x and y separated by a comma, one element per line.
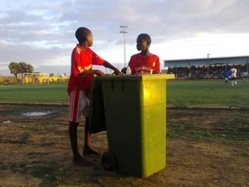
<point>143,62</point>
<point>79,87</point>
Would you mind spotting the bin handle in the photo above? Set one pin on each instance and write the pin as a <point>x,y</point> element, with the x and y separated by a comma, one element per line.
<point>122,85</point>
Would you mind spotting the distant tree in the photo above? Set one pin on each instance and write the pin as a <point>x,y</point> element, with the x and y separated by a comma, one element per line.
<point>24,68</point>
<point>30,68</point>
<point>20,68</point>
<point>13,67</point>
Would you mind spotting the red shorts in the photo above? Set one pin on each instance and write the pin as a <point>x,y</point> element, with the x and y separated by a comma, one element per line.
<point>79,104</point>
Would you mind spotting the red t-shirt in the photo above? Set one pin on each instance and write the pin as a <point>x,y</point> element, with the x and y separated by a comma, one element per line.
<point>140,64</point>
<point>81,60</point>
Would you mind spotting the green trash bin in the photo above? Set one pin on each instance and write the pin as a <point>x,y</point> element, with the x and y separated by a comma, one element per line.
<point>135,116</point>
<point>97,110</point>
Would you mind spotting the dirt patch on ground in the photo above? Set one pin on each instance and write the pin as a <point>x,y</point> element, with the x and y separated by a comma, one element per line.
<point>204,148</point>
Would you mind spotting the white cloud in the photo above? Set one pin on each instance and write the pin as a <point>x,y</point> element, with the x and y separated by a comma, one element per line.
<point>41,32</point>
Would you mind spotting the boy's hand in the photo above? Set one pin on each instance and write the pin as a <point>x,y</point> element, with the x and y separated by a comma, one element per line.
<point>117,72</point>
<point>99,73</point>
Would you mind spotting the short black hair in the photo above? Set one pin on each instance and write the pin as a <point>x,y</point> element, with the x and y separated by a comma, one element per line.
<point>81,34</point>
<point>124,69</point>
<point>145,37</point>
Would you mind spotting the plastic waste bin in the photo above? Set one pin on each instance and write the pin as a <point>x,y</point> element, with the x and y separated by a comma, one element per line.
<point>97,110</point>
<point>135,119</point>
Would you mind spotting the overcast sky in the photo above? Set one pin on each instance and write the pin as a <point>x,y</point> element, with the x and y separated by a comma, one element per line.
<point>41,33</point>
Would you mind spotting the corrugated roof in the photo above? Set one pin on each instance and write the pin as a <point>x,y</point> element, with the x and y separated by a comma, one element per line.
<point>206,61</point>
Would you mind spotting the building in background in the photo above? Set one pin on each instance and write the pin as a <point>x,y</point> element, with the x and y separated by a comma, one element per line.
<point>33,78</point>
<point>204,68</point>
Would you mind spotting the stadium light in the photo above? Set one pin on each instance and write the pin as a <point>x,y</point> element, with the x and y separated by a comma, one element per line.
<point>124,31</point>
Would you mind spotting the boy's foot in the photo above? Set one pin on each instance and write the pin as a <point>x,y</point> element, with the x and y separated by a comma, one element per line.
<point>89,151</point>
<point>82,162</point>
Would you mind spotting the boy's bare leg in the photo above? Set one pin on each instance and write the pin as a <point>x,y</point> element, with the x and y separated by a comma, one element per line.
<point>87,150</point>
<point>77,159</point>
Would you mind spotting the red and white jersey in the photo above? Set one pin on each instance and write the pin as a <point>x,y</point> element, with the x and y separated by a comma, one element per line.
<point>140,64</point>
<point>81,60</point>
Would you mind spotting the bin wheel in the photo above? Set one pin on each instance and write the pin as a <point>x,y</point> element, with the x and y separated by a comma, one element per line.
<point>108,161</point>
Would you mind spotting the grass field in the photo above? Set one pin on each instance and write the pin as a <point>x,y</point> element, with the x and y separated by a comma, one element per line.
<point>34,94</point>
<point>180,94</point>
<point>207,93</point>
<point>207,146</point>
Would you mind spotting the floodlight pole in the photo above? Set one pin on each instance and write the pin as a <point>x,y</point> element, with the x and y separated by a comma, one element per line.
<point>124,31</point>
<point>247,66</point>
<point>208,64</point>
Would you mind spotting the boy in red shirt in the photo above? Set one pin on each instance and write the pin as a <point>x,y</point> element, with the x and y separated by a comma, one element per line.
<point>144,62</point>
<point>79,85</point>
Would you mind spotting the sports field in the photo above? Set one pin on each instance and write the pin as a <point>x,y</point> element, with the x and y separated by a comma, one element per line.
<point>207,139</point>
<point>207,93</point>
<point>180,94</point>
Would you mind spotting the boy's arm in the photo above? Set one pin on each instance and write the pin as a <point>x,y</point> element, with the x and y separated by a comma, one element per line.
<point>156,69</point>
<point>110,66</point>
<point>94,72</point>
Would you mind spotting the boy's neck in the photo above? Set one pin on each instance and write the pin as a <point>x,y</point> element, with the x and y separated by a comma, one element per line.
<point>145,53</point>
<point>83,45</point>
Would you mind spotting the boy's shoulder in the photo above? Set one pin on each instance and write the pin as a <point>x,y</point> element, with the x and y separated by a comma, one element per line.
<point>137,54</point>
<point>78,49</point>
<point>154,55</point>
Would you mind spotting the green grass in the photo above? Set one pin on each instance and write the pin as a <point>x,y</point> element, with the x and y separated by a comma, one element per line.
<point>34,94</point>
<point>232,132</point>
<point>180,94</point>
<point>207,93</point>
<point>225,131</point>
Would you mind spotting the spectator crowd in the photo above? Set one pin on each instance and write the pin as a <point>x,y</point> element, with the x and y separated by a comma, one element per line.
<point>206,71</point>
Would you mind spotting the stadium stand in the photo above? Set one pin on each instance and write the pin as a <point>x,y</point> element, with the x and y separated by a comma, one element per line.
<point>207,68</point>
